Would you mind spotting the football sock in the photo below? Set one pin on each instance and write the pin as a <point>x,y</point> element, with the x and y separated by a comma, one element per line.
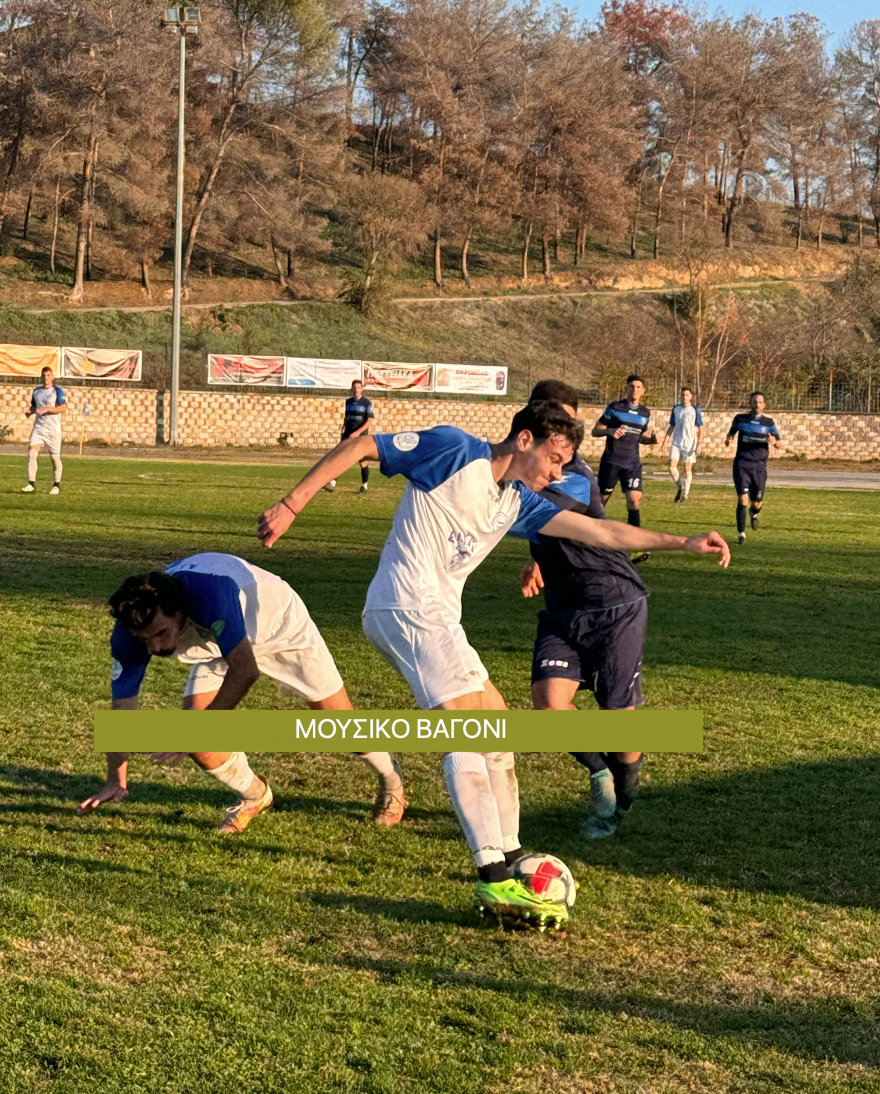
<point>754,511</point>
<point>467,779</point>
<point>626,780</point>
<point>383,766</point>
<point>237,775</point>
<point>675,473</point>
<point>56,463</point>
<point>510,857</point>
<point>365,474</point>
<point>688,479</point>
<point>593,761</point>
<point>32,465</point>
<point>505,788</point>
<point>493,871</point>
<point>740,518</point>
<point>634,517</point>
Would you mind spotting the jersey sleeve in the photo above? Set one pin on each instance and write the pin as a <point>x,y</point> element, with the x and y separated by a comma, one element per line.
<point>33,402</point>
<point>534,513</point>
<point>369,407</point>
<point>672,419</point>
<point>607,416</point>
<point>698,420</point>
<point>60,397</point>
<point>430,457</point>
<point>734,426</point>
<point>212,601</point>
<point>130,660</point>
<point>774,429</point>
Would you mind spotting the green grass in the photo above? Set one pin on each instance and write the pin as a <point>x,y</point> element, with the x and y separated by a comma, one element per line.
<point>726,940</point>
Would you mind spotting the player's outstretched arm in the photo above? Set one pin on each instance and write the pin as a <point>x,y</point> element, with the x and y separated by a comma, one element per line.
<point>616,536</point>
<point>276,520</point>
<point>115,789</point>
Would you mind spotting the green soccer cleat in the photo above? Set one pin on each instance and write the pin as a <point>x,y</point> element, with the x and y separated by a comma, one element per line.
<point>512,900</point>
<point>603,799</point>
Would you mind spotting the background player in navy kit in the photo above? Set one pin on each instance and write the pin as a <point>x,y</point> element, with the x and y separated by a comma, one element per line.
<point>625,425</point>
<point>592,631</point>
<point>753,432</point>
<point>358,415</point>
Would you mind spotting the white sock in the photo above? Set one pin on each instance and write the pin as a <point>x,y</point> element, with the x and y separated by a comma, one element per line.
<point>32,464</point>
<point>688,479</point>
<point>56,463</point>
<point>237,775</point>
<point>469,785</point>
<point>505,789</point>
<point>382,763</point>
<point>674,472</point>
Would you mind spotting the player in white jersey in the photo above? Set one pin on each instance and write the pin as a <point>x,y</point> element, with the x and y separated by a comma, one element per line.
<point>686,431</point>
<point>463,496</point>
<point>232,622</point>
<point>48,403</point>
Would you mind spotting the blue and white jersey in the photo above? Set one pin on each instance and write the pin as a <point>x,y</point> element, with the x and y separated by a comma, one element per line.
<point>452,514</point>
<point>684,421</point>
<point>43,397</point>
<point>636,420</point>
<point>227,600</point>
<point>753,433</point>
<point>357,413</point>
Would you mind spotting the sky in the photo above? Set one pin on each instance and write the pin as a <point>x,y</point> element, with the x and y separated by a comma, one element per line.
<point>837,16</point>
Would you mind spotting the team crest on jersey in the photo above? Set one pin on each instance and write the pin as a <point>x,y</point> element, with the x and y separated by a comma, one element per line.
<point>499,520</point>
<point>218,627</point>
<point>405,442</point>
<point>116,670</point>
<point>464,548</point>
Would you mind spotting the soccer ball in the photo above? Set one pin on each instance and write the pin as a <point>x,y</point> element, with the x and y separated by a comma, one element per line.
<point>547,876</point>
<point>331,486</point>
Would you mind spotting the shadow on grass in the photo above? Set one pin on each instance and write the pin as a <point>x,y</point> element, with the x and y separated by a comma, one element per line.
<point>822,1030</point>
<point>805,829</point>
<point>401,911</point>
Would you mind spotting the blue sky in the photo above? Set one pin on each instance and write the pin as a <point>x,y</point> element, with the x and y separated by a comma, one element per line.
<point>837,16</point>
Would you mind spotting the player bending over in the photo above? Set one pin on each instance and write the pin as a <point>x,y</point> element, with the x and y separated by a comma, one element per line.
<point>232,622</point>
<point>753,432</point>
<point>686,431</point>
<point>463,496</point>
<point>48,403</point>
<point>592,632</point>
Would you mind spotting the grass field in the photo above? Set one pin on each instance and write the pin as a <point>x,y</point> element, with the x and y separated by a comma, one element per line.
<point>727,939</point>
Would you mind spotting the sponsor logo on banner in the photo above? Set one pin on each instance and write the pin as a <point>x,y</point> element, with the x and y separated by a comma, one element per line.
<point>394,376</point>
<point>471,379</point>
<point>321,372</point>
<point>240,369</point>
<point>101,364</point>
<point>405,442</point>
<point>29,360</point>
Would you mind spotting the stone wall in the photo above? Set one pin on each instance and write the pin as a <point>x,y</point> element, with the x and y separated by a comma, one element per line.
<point>134,415</point>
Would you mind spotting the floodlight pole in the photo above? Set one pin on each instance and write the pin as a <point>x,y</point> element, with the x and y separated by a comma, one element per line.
<point>178,245</point>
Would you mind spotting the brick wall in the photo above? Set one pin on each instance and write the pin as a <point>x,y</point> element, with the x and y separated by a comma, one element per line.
<point>129,415</point>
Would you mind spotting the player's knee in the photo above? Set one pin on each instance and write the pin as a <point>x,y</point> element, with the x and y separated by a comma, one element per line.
<point>458,763</point>
<point>500,761</point>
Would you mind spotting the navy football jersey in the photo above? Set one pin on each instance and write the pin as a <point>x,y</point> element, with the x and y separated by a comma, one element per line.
<point>357,413</point>
<point>753,433</point>
<point>624,451</point>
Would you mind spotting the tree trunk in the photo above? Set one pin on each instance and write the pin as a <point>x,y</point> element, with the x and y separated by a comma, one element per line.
<point>525,254</point>
<point>800,228</point>
<point>55,217</point>
<point>438,259</point>
<point>145,278</point>
<point>82,224</point>
<point>91,224</point>
<point>27,215</point>
<point>206,187</point>
<point>545,254</point>
<point>636,217</point>
<point>464,261</point>
<point>279,267</point>
<point>734,200</point>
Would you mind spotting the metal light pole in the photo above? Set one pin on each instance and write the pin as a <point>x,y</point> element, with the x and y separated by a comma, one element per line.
<point>182,21</point>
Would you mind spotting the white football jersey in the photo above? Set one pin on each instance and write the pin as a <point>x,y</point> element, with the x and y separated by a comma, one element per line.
<point>685,421</point>
<point>452,514</point>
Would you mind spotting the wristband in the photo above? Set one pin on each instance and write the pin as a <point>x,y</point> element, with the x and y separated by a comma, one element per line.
<point>284,502</point>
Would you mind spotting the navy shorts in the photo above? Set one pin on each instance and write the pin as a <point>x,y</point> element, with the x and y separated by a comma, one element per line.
<point>630,478</point>
<point>750,478</point>
<point>601,650</point>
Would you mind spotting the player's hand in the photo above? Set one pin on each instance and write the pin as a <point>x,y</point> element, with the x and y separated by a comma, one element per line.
<point>274,523</point>
<point>170,759</point>
<point>619,432</point>
<point>699,450</point>
<point>709,543</point>
<point>727,442</point>
<point>531,580</point>
<point>109,792</point>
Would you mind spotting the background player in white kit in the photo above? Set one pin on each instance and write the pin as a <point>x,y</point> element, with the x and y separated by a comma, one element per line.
<point>232,622</point>
<point>463,496</point>
<point>686,430</point>
<point>48,403</point>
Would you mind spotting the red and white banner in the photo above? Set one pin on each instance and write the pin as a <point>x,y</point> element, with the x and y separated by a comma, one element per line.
<point>321,372</point>
<point>471,379</point>
<point>393,376</point>
<point>28,360</point>
<point>101,364</point>
<point>238,369</point>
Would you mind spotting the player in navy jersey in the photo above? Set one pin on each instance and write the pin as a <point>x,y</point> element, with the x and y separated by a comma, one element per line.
<point>463,496</point>
<point>48,403</point>
<point>625,425</point>
<point>232,622</point>
<point>592,632</point>
<point>358,416</point>
<point>753,432</point>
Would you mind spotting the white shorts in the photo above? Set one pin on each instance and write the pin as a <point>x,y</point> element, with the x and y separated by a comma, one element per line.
<point>296,658</point>
<point>50,438</point>
<point>432,655</point>
<point>677,452</point>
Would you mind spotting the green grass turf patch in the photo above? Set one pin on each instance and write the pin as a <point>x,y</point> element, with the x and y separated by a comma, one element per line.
<point>726,939</point>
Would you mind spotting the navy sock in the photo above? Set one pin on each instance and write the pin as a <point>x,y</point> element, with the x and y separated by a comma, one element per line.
<point>634,517</point>
<point>365,474</point>
<point>740,518</point>
<point>626,781</point>
<point>494,871</point>
<point>593,761</point>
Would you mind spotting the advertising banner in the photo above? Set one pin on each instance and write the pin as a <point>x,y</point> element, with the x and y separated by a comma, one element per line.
<point>321,372</point>
<point>394,376</point>
<point>238,369</point>
<point>101,364</point>
<point>28,360</point>
<point>471,379</point>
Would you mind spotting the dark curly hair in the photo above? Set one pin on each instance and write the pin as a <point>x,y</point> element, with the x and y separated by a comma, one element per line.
<point>137,600</point>
<point>545,420</point>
